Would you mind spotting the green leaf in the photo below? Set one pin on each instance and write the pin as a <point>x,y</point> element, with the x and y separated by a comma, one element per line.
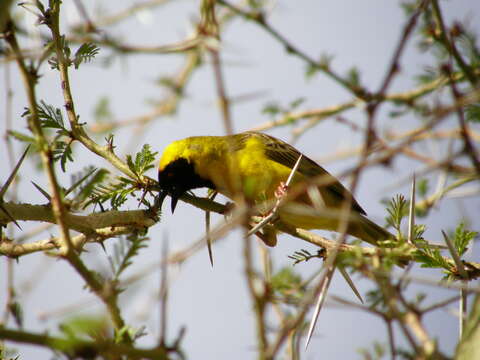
<point>462,238</point>
<point>288,283</point>
<point>114,190</point>
<point>303,255</point>
<point>40,6</point>
<point>124,251</point>
<point>353,76</point>
<point>429,257</point>
<point>63,153</point>
<point>398,113</point>
<point>143,160</point>
<point>325,61</point>
<point>86,189</point>
<point>311,71</point>
<point>429,74</point>
<point>131,333</point>
<point>409,7</point>
<point>418,231</point>
<point>49,116</point>
<point>377,353</point>
<point>375,299</point>
<point>397,209</point>
<point>170,84</point>
<point>85,53</point>
<point>422,187</point>
<point>21,137</point>
<point>102,111</point>
<point>297,102</point>
<point>472,113</point>
<point>272,108</point>
<point>467,43</point>
<point>85,327</point>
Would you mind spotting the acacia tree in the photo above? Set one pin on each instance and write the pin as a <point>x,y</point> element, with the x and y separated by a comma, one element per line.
<point>94,208</point>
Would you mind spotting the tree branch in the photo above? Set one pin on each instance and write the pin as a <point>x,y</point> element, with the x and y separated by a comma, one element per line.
<point>79,346</point>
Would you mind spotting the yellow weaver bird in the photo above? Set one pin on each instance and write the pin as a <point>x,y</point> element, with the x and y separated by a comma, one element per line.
<point>257,164</point>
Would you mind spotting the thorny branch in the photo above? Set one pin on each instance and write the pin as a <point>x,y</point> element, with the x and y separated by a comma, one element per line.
<point>97,227</point>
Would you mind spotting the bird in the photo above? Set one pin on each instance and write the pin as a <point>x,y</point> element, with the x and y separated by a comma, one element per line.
<point>257,166</point>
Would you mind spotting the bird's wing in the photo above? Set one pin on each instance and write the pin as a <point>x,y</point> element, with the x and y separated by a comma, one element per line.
<point>285,154</point>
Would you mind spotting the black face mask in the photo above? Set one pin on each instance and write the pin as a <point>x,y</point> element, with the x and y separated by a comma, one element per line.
<point>177,178</point>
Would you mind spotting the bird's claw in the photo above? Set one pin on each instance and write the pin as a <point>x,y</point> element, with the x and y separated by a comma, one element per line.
<point>281,190</point>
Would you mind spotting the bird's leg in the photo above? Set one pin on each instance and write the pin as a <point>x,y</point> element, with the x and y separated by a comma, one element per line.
<point>270,214</point>
<point>279,194</point>
<point>268,235</point>
<point>264,229</point>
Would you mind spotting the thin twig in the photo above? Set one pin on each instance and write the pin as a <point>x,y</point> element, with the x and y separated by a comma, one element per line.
<point>258,297</point>
<point>440,304</point>
<point>411,212</point>
<point>464,130</point>
<point>369,138</point>
<point>391,340</point>
<point>42,144</point>
<point>223,98</point>
<point>450,45</point>
<point>126,13</point>
<point>58,207</point>
<point>89,26</point>
<point>462,303</point>
<point>316,115</point>
<point>462,309</point>
<point>163,296</point>
<point>260,20</point>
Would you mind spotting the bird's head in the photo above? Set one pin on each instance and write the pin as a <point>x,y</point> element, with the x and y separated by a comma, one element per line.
<point>176,173</point>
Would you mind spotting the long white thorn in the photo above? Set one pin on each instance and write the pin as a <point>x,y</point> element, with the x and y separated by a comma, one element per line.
<point>321,299</point>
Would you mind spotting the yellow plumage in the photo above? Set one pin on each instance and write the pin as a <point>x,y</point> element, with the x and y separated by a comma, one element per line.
<point>255,164</point>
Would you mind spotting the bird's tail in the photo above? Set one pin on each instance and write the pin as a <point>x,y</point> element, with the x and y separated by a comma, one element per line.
<point>368,231</point>
<point>305,217</point>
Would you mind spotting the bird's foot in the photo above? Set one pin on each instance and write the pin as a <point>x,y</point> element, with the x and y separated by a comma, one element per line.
<point>268,235</point>
<point>281,190</point>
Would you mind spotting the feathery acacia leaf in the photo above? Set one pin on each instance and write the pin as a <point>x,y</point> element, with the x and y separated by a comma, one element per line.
<point>85,53</point>
<point>144,160</point>
<point>124,251</point>
<point>463,238</point>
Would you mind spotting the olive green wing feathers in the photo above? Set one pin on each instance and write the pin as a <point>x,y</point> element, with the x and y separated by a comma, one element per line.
<point>285,154</point>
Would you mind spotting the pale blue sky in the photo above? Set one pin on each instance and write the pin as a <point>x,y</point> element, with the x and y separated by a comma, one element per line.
<point>214,303</point>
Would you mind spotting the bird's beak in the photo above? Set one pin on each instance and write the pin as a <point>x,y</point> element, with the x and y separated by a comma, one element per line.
<point>174,202</point>
<point>163,194</point>
<point>161,197</point>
